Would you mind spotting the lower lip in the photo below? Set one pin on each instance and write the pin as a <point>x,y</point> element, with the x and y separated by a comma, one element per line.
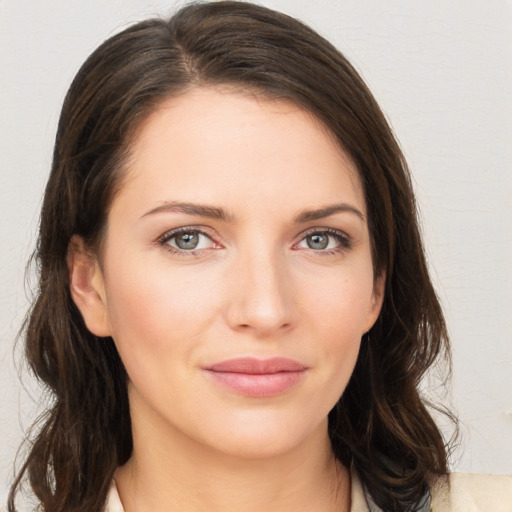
<point>258,385</point>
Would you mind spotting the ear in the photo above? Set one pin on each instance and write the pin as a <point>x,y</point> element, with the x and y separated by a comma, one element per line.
<point>87,287</point>
<point>379,286</point>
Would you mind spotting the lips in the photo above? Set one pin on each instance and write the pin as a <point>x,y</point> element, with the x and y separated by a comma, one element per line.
<point>258,378</point>
<point>254,366</point>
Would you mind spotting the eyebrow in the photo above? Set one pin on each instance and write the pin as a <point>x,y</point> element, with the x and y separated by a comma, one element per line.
<point>326,211</point>
<point>214,212</point>
<point>192,209</point>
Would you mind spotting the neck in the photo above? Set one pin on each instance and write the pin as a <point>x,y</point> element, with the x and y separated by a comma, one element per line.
<point>174,472</point>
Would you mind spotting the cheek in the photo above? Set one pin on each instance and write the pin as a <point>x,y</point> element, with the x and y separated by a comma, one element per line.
<point>337,313</point>
<point>341,303</point>
<point>156,312</point>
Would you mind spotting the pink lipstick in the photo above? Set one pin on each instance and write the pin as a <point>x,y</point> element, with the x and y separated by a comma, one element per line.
<point>259,378</point>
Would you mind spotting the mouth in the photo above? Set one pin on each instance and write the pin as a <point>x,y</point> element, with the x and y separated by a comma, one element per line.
<point>258,378</point>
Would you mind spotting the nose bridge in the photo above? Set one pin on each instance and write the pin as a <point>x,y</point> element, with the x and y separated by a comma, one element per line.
<point>262,300</point>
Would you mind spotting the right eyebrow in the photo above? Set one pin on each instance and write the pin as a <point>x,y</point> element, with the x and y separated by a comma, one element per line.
<point>200,210</point>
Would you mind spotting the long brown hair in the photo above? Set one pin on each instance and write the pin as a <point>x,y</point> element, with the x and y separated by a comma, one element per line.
<point>381,424</point>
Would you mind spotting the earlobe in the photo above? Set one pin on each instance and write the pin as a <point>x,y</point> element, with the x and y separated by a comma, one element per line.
<point>87,287</point>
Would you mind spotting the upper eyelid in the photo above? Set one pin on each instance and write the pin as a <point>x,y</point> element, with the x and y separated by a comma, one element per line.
<point>183,229</point>
<point>324,229</point>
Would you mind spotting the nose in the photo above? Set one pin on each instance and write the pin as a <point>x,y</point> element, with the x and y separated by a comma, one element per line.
<point>261,302</point>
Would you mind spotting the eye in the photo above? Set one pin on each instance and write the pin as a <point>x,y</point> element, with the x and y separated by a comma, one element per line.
<point>187,240</point>
<point>318,241</point>
<point>326,240</point>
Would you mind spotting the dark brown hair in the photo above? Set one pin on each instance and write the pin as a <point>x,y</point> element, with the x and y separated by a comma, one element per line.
<point>381,424</point>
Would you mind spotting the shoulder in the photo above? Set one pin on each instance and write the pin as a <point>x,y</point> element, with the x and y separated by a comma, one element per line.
<point>465,492</point>
<point>457,492</point>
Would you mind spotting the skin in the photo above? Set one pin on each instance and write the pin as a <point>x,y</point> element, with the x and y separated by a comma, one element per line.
<point>254,286</point>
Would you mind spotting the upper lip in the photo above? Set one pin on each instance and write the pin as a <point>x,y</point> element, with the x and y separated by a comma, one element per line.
<point>254,366</point>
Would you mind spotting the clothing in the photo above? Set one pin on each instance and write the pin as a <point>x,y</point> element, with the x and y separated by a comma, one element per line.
<point>460,492</point>
<point>113,501</point>
<point>466,492</point>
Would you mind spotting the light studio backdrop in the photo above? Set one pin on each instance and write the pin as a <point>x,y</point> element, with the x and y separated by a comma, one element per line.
<point>442,72</point>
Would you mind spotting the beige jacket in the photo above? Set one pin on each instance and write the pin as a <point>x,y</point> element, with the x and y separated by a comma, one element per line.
<point>460,492</point>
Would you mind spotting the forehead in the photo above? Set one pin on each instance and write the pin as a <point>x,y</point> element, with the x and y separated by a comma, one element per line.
<point>213,142</point>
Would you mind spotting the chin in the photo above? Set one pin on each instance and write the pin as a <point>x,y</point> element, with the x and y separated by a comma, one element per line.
<point>258,436</point>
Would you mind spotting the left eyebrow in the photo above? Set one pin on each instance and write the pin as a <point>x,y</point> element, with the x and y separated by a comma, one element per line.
<point>321,213</point>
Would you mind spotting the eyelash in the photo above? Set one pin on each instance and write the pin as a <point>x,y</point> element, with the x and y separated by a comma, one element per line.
<point>163,241</point>
<point>345,241</point>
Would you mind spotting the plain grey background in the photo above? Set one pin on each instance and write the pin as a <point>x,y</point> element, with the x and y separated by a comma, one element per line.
<point>442,72</point>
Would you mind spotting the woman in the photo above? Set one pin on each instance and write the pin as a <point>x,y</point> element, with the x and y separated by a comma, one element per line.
<point>234,309</point>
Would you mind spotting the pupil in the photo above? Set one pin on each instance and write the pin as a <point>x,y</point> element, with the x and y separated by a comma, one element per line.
<point>187,241</point>
<point>318,241</point>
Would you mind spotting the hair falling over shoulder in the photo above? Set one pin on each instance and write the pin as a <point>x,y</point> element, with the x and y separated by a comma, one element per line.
<point>381,425</point>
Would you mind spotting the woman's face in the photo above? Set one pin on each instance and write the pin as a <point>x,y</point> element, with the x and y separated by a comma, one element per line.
<point>236,277</point>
